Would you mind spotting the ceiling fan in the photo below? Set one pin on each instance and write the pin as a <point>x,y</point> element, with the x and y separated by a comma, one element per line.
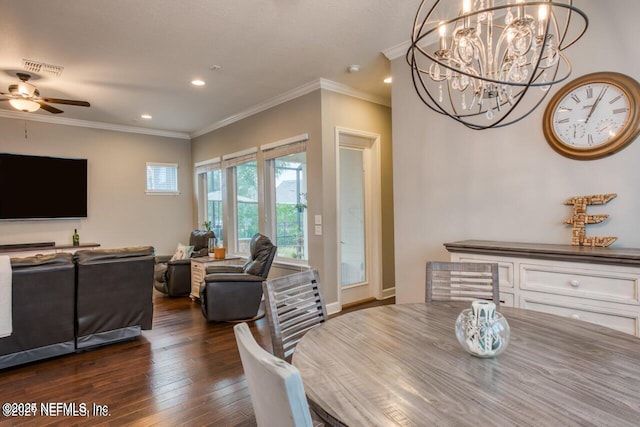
<point>26,97</point>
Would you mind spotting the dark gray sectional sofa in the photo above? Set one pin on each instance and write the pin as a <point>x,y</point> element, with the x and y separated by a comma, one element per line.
<point>63,303</point>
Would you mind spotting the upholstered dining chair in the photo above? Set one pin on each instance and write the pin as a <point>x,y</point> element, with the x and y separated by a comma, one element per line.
<point>462,281</point>
<point>275,386</point>
<point>294,306</point>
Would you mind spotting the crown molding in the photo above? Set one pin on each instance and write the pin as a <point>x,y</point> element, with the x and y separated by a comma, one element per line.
<point>290,95</point>
<point>87,124</point>
<point>258,108</point>
<point>397,51</point>
<point>355,93</point>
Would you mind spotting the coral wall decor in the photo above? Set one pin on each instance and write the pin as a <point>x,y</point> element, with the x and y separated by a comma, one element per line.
<point>580,219</point>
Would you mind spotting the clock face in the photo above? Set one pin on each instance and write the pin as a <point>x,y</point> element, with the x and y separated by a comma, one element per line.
<point>591,115</point>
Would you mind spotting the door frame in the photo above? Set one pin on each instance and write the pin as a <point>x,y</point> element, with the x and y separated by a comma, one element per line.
<point>373,211</point>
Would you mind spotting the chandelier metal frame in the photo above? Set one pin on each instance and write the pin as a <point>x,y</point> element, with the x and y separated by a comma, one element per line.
<point>494,71</point>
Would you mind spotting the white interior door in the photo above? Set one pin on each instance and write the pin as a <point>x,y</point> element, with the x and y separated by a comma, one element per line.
<point>358,224</point>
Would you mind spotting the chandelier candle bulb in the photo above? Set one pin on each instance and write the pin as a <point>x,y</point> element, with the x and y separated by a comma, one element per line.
<point>521,11</point>
<point>543,13</point>
<point>442,30</point>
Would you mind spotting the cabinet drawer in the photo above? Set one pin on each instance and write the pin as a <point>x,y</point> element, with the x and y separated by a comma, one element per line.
<point>506,299</point>
<point>603,285</point>
<point>620,318</point>
<point>505,268</point>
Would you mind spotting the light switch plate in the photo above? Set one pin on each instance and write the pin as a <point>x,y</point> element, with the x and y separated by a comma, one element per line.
<point>318,230</point>
<point>318,219</point>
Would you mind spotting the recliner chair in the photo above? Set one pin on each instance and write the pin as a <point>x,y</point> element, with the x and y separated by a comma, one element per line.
<point>231,292</point>
<point>173,278</point>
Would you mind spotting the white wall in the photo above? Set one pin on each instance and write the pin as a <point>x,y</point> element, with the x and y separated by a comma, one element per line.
<point>452,183</point>
<point>119,212</point>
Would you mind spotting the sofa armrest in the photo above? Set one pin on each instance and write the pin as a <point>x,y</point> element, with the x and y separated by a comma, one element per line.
<point>239,277</point>
<point>179,262</point>
<point>224,269</point>
<point>163,258</point>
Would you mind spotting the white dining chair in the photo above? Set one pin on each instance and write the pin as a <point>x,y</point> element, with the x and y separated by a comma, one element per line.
<point>276,389</point>
<point>294,306</point>
<point>462,281</point>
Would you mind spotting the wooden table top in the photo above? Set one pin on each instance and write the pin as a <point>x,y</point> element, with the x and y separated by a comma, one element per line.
<point>401,365</point>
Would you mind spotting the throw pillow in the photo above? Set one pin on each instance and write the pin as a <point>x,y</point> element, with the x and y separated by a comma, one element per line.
<point>182,252</point>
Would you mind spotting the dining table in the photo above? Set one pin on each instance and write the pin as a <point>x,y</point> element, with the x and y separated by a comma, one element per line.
<point>401,365</point>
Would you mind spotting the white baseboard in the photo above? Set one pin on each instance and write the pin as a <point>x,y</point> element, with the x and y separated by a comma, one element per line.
<point>334,308</point>
<point>389,293</point>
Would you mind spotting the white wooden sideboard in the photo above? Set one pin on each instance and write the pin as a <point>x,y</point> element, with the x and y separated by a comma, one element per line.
<point>597,285</point>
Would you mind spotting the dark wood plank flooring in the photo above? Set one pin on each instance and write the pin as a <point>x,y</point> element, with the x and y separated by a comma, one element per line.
<point>184,372</point>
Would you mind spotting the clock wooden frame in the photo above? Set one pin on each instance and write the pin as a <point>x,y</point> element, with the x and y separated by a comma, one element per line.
<point>629,86</point>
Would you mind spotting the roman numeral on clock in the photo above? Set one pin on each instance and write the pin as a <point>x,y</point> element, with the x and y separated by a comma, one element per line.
<point>620,110</point>
<point>614,100</point>
<point>589,92</point>
<point>575,98</point>
<point>565,120</point>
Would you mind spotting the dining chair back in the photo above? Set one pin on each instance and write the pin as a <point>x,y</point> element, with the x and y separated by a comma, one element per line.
<point>462,281</point>
<point>275,386</point>
<point>294,305</point>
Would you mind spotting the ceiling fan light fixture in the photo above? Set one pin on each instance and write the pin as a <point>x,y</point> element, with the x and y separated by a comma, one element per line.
<point>25,105</point>
<point>26,90</point>
<point>198,82</point>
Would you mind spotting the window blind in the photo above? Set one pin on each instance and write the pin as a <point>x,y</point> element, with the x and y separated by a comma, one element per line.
<point>284,148</point>
<point>162,178</point>
<point>208,165</point>
<point>235,159</point>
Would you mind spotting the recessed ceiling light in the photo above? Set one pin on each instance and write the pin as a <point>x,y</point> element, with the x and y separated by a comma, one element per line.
<point>354,68</point>
<point>146,116</point>
<point>197,82</point>
<point>388,80</point>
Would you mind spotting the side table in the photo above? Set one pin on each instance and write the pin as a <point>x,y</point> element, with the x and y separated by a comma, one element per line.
<point>199,270</point>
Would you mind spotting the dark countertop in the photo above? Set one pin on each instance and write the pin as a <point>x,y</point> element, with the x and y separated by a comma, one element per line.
<point>557,252</point>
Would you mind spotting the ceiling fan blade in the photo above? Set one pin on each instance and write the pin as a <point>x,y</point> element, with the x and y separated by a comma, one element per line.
<point>49,108</point>
<point>67,101</point>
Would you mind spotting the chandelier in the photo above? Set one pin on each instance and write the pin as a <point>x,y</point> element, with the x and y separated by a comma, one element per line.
<point>474,60</point>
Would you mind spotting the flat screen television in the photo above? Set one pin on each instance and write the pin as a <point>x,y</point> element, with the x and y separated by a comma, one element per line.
<point>35,187</point>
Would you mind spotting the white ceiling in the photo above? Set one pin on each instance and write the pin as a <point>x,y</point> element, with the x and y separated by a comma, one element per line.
<point>130,57</point>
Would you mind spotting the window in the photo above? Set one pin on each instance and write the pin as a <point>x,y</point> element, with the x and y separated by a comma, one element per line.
<point>210,193</point>
<point>214,203</point>
<point>243,198</point>
<point>286,187</point>
<point>162,178</point>
<point>258,191</point>
<point>246,203</point>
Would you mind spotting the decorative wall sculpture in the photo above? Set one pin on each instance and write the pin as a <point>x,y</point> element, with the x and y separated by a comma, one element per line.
<point>580,219</point>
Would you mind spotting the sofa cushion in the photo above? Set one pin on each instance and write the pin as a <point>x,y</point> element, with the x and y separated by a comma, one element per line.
<point>107,254</point>
<point>42,260</point>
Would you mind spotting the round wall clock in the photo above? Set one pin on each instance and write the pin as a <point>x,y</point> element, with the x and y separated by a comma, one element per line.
<point>593,116</point>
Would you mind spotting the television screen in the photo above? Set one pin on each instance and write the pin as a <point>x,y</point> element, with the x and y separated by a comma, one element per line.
<point>34,187</point>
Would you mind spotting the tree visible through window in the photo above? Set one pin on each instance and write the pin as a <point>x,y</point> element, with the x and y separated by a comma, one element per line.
<point>214,203</point>
<point>247,224</point>
<point>290,177</point>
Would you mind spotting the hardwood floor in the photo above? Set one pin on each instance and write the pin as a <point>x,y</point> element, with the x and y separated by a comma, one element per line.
<point>184,372</point>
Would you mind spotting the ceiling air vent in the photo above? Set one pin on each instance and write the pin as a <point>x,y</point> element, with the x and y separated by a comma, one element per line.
<point>41,67</point>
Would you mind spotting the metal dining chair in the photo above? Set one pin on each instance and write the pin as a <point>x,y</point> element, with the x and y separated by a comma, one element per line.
<point>275,386</point>
<point>294,305</point>
<point>462,281</point>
